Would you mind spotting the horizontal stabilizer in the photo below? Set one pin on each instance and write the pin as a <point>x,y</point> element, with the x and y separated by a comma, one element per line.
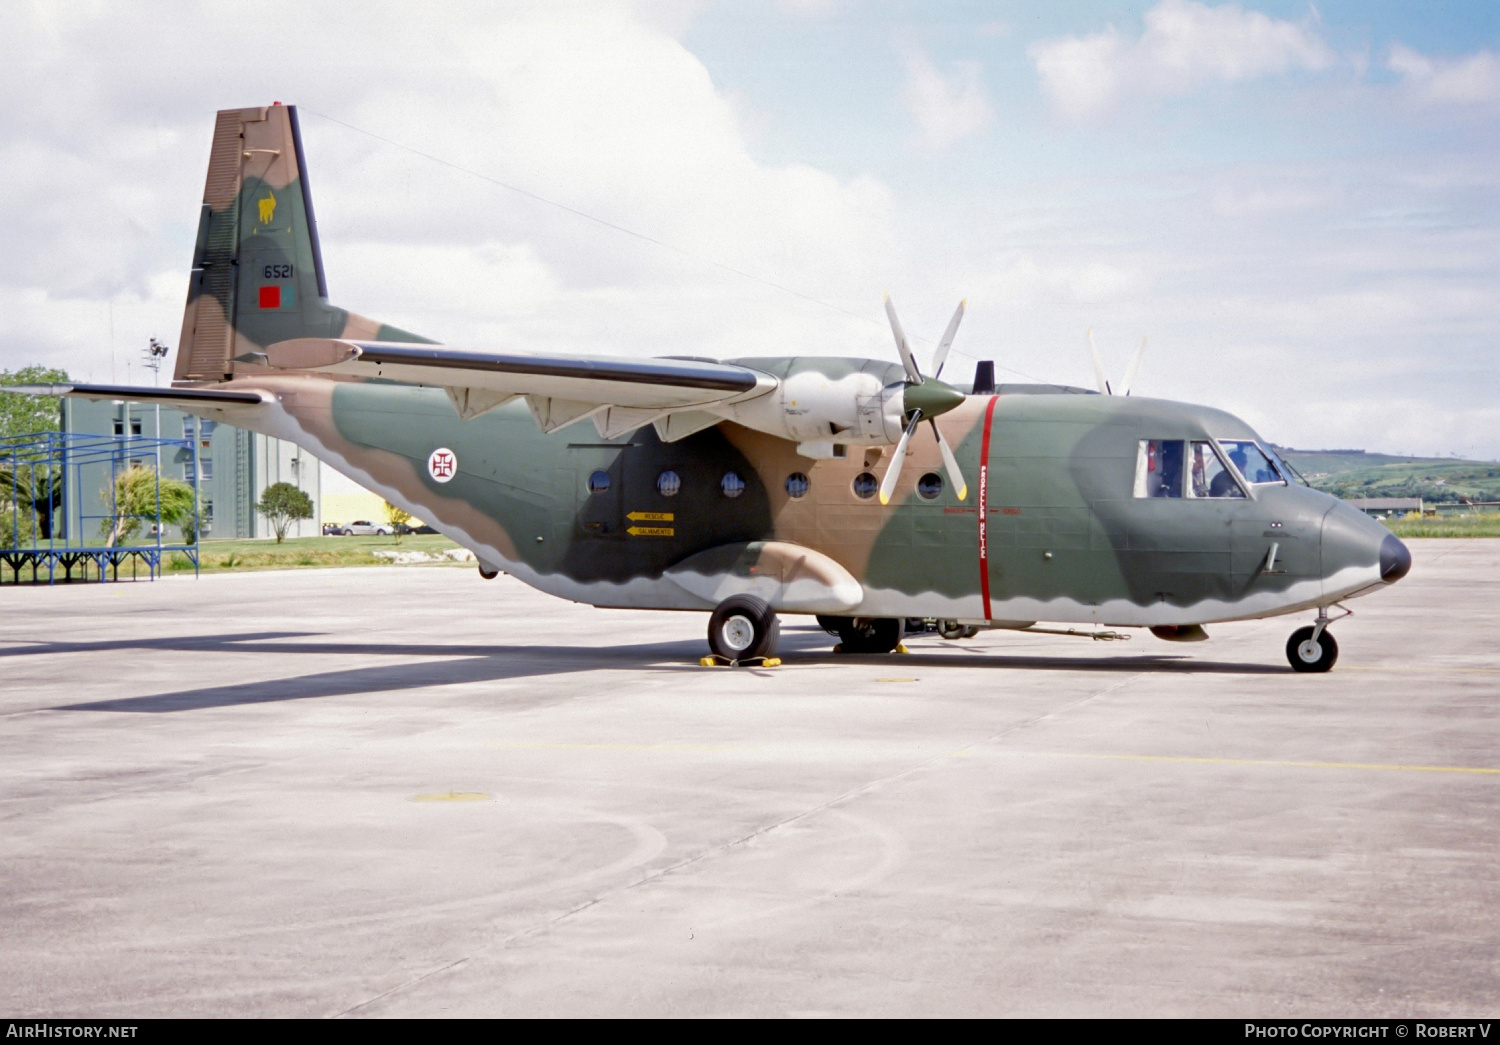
<point>180,397</point>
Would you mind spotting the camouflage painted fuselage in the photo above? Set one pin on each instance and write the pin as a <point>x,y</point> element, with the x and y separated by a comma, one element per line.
<point>1064,538</point>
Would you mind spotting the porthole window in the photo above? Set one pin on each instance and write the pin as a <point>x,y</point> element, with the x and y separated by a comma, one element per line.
<point>732,485</point>
<point>929,486</point>
<point>797,484</point>
<point>599,482</point>
<point>668,483</point>
<point>865,486</point>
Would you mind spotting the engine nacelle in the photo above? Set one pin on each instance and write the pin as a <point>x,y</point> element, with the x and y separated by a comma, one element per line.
<point>854,401</point>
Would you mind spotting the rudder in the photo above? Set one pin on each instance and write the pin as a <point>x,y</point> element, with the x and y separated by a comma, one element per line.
<point>257,268</point>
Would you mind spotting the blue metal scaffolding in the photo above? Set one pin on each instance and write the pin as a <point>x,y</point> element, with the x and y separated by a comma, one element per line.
<point>43,477</point>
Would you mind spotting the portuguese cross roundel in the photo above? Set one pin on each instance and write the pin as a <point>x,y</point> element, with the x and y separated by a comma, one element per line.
<point>442,464</point>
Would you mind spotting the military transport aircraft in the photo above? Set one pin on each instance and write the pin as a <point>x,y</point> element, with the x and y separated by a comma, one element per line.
<point>861,491</point>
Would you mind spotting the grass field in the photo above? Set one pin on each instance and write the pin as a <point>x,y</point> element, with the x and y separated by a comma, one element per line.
<point>1486,524</point>
<point>298,552</point>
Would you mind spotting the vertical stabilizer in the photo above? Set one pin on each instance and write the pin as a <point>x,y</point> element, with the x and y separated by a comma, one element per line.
<point>257,268</point>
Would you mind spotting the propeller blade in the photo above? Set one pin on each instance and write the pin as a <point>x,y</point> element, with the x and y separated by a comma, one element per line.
<point>898,458</point>
<point>1135,366</point>
<point>950,463</point>
<point>1104,388</point>
<point>941,355</point>
<point>913,375</point>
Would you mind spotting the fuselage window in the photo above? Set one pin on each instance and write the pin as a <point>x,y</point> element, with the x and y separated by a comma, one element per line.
<point>668,483</point>
<point>1252,461</point>
<point>929,486</point>
<point>797,484</point>
<point>599,482</point>
<point>732,485</point>
<point>865,486</point>
<point>1210,477</point>
<point>1158,468</point>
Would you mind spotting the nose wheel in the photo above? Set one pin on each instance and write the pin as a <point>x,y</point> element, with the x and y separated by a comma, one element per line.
<point>1309,652</point>
<point>1313,648</point>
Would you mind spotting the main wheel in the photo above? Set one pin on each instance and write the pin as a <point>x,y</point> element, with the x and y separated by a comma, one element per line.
<point>830,624</point>
<point>1308,654</point>
<point>742,627</point>
<point>871,634</point>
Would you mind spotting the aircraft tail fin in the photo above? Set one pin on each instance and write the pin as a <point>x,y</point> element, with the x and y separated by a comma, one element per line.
<point>257,268</point>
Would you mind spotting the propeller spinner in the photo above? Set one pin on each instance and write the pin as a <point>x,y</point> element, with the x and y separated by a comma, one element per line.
<point>924,399</point>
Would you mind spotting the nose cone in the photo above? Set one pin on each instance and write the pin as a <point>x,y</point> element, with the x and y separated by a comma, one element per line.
<point>1395,559</point>
<point>1359,552</point>
<point>932,397</point>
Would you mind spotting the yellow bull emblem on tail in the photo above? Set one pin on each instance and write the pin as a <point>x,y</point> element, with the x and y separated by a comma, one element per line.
<point>267,209</point>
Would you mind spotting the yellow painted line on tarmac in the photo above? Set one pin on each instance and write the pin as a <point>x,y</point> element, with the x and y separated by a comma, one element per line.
<point>1278,763</point>
<point>1423,671</point>
<point>898,680</point>
<point>614,747</point>
<point>454,796</point>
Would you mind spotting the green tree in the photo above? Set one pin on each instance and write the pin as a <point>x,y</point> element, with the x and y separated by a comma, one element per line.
<point>283,504</point>
<point>398,518</point>
<point>136,496</point>
<point>20,413</point>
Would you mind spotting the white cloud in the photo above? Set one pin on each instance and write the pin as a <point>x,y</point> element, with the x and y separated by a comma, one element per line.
<point>105,135</point>
<point>945,109</point>
<point>1469,80</point>
<point>1183,45</point>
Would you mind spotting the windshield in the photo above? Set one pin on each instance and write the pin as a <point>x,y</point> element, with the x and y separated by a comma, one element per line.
<point>1210,477</point>
<point>1252,461</point>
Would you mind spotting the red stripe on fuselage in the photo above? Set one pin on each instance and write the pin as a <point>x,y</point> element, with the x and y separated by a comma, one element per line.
<point>984,507</point>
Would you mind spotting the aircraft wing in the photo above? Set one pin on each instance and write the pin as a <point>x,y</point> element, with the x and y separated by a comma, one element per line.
<point>621,394</point>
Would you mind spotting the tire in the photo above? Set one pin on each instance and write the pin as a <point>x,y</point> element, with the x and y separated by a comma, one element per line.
<point>743,627</point>
<point>871,634</point>
<point>952,630</point>
<point>830,624</point>
<point>489,573</point>
<point>347,533</point>
<point>1306,655</point>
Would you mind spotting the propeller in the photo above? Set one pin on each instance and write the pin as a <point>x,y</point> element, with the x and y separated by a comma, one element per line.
<point>1105,388</point>
<point>924,399</point>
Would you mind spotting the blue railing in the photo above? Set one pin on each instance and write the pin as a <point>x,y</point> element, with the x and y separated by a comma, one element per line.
<point>42,488</point>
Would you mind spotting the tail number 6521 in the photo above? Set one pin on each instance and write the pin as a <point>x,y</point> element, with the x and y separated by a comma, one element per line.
<point>278,272</point>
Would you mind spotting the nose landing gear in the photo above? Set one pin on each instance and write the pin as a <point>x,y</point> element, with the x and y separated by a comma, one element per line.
<point>1313,648</point>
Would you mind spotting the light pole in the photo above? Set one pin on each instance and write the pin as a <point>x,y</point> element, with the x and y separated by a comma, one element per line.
<point>155,353</point>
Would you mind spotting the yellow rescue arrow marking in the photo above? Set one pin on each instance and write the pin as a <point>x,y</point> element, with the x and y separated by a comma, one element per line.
<point>651,531</point>
<point>649,516</point>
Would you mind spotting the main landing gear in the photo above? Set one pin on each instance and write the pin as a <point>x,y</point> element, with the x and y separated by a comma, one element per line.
<point>743,629</point>
<point>865,634</point>
<point>1313,648</point>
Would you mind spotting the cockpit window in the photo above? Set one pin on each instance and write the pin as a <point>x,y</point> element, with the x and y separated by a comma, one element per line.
<point>1252,461</point>
<point>1158,468</point>
<point>1210,477</point>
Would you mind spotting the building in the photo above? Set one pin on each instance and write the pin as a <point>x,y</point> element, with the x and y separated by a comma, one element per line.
<point>1386,505</point>
<point>234,465</point>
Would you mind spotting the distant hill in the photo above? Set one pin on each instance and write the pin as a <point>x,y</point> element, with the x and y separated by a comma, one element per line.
<point>1355,473</point>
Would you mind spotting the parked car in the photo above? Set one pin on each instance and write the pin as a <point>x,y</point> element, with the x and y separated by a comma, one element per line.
<point>364,528</point>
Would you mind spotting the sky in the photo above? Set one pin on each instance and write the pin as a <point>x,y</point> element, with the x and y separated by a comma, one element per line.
<point>1298,205</point>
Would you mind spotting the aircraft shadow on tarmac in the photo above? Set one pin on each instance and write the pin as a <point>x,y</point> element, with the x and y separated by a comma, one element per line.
<point>455,664</point>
